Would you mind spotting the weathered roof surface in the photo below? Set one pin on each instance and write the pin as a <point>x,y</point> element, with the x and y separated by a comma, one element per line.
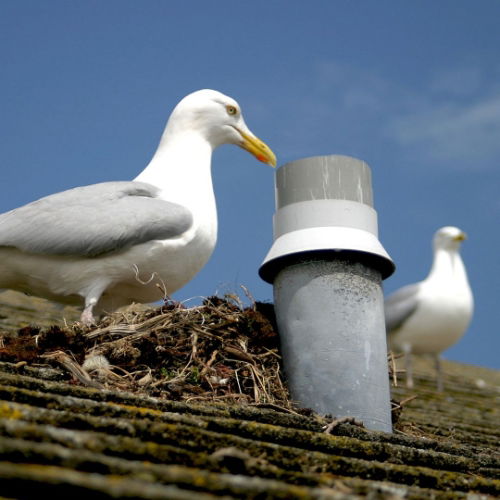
<point>60,438</point>
<point>17,310</point>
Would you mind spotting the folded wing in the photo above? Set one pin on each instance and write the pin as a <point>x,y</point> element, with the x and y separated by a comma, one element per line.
<point>93,220</point>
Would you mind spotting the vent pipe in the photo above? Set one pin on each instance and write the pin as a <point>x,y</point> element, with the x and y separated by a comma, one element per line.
<point>327,266</point>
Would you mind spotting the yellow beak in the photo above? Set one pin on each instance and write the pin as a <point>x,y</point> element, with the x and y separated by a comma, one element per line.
<point>258,148</point>
<point>461,237</point>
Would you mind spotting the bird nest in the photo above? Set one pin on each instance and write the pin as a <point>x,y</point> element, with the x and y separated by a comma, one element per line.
<point>218,351</point>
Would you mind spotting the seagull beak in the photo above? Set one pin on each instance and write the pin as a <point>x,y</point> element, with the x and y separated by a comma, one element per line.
<point>258,148</point>
<point>461,237</point>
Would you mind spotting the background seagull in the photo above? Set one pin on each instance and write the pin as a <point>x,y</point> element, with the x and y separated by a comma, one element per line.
<point>109,244</point>
<point>432,315</point>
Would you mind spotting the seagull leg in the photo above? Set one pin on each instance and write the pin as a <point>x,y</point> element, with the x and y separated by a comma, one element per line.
<point>91,299</point>
<point>408,367</point>
<point>439,373</point>
<point>87,318</point>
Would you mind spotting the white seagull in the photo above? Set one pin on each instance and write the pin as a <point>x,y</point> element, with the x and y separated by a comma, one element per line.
<point>107,245</point>
<point>432,315</point>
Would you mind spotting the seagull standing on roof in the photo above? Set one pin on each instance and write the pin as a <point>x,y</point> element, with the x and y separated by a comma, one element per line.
<point>430,316</point>
<point>109,244</point>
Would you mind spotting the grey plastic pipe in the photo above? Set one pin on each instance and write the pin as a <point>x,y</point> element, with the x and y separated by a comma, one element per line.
<point>327,266</point>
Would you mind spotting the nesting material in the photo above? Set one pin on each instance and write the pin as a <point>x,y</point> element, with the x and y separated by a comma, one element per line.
<point>218,351</point>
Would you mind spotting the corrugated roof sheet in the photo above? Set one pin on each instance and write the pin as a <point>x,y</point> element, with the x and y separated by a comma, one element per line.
<point>61,439</point>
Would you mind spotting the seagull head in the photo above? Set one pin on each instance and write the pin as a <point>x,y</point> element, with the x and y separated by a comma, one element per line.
<point>449,238</point>
<point>219,120</point>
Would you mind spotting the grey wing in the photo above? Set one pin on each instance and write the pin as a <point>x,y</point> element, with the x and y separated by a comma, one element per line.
<point>93,220</point>
<point>400,305</point>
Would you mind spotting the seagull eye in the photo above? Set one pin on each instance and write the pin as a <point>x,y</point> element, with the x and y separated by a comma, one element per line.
<point>231,110</point>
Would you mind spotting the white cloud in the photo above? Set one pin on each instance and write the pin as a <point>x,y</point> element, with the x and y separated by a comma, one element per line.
<point>465,134</point>
<point>452,121</point>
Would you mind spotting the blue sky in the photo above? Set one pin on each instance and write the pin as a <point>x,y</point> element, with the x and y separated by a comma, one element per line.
<point>412,88</point>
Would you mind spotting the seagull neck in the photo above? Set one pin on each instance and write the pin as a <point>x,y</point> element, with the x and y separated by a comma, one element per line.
<point>181,168</point>
<point>448,266</point>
